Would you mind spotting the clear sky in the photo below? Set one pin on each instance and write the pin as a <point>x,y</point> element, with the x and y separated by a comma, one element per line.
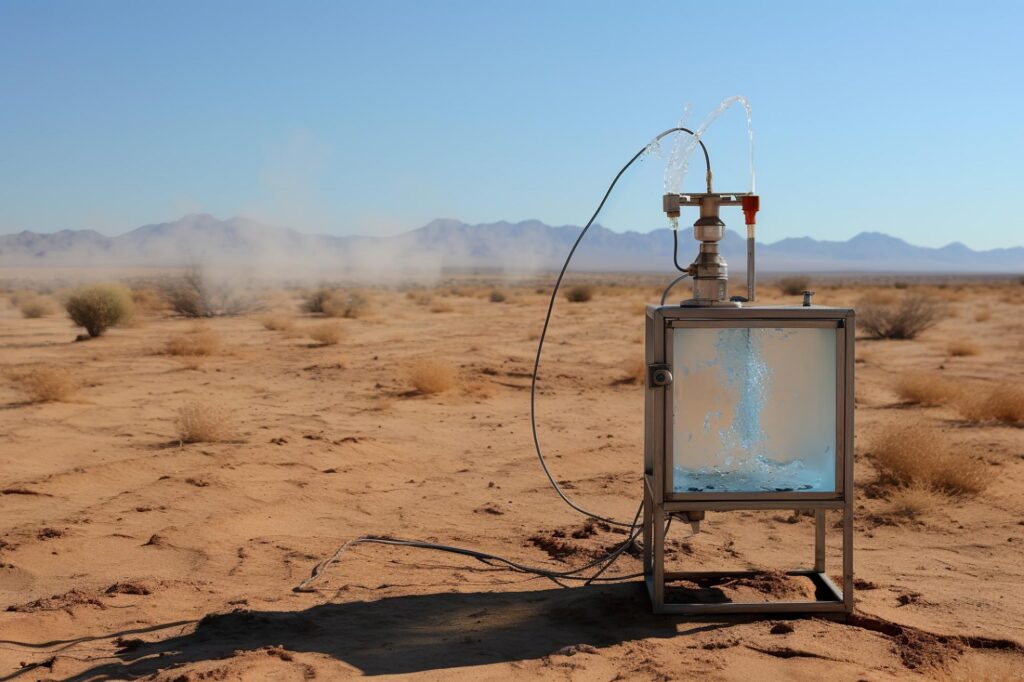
<point>376,117</point>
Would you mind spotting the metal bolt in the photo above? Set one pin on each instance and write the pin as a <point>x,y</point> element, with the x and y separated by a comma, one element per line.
<point>807,298</point>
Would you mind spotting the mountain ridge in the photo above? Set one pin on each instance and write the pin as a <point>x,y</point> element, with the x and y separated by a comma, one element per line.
<point>200,238</point>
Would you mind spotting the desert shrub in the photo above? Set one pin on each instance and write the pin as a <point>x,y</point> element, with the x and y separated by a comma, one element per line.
<point>794,285</point>
<point>496,296</point>
<point>1001,403</point>
<point>33,307</point>
<point>904,318</point>
<point>203,423</point>
<point>277,323</point>
<point>441,307</point>
<point>430,376</point>
<point>983,315</point>
<point>98,307</point>
<point>910,454</point>
<point>327,334</point>
<point>925,388</point>
<point>47,384</point>
<point>314,302</point>
<point>581,293</point>
<point>912,501</point>
<point>351,304</point>
<point>963,348</point>
<point>194,294</point>
<point>201,341</point>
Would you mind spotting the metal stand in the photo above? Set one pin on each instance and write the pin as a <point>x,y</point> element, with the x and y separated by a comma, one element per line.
<point>830,598</point>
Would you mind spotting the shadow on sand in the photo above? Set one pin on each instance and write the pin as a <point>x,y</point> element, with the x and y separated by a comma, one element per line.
<point>410,634</point>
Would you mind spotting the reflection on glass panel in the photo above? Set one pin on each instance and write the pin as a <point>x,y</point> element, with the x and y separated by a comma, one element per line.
<point>754,409</point>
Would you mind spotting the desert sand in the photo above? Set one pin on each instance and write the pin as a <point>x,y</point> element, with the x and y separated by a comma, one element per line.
<point>125,552</point>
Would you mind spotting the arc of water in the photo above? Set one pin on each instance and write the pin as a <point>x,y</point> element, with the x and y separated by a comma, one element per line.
<point>679,160</point>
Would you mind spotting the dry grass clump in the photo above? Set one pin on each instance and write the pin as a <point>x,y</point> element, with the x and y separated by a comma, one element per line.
<point>203,423</point>
<point>496,296</point>
<point>35,306</point>
<point>430,376</point>
<point>925,388</point>
<point>581,293</point>
<point>793,286</point>
<point>916,455</point>
<point>46,384</point>
<point>1002,403</point>
<point>441,307</point>
<point>350,304</point>
<point>98,307</point>
<point>904,318</point>
<point>912,501</point>
<point>201,341</point>
<point>962,348</point>
<point>327,334</point>
<point>277,323</point>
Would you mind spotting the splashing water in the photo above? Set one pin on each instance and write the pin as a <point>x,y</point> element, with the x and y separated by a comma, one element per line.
<point>679,160</point>
<point>746,375</point>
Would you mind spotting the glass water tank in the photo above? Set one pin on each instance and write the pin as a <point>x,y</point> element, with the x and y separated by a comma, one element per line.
<point>753,409</point>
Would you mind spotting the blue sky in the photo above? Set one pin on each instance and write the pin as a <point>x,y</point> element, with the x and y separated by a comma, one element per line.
<point>376,117</point>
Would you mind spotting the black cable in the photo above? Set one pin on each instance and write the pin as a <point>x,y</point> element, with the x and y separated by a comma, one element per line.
<point>675,250</point>
<point>551,306</point>
<point>609,558</point>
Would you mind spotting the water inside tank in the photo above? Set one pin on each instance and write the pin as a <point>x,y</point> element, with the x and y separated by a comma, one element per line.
<point>754,409</point>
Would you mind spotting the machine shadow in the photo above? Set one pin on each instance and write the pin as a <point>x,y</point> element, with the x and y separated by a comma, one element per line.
<point>416,633</point>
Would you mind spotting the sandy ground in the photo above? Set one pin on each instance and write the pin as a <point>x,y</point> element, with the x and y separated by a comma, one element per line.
<point>124,553</point>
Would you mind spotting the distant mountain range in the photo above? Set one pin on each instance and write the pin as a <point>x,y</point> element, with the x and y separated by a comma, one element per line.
<point>200,239</point>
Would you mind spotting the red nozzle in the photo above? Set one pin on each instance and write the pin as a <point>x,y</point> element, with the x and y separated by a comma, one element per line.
<point>751,205</point>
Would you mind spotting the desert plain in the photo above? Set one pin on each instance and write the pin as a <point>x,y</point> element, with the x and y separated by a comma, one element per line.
<point>166,485</point>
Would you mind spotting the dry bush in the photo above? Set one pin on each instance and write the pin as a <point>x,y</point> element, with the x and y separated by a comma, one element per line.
<point>496,296</point>
<point>1001,403</point>
<point>905,318</point>
<point>581,293</point>
<point>962,348</point>
<point>430,376</point>
<point>441,307</point>
<point>98,307</point>
<point>277,323</point>
<point>314,302</point>
<point>983,315</point>
<point>910,502</point>
<point>327,334</point>
<point>916,455</point>
<point>351,304</point>
<point>47,384</point>
<point>925,388</point>
<point>201,341</point>
<point>194,294</point>
<point>35,306</point>
<point>203,423</point>
<point>793,286</point>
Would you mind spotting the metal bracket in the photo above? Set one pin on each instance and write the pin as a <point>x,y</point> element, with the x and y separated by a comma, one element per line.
<point>659,375</point>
